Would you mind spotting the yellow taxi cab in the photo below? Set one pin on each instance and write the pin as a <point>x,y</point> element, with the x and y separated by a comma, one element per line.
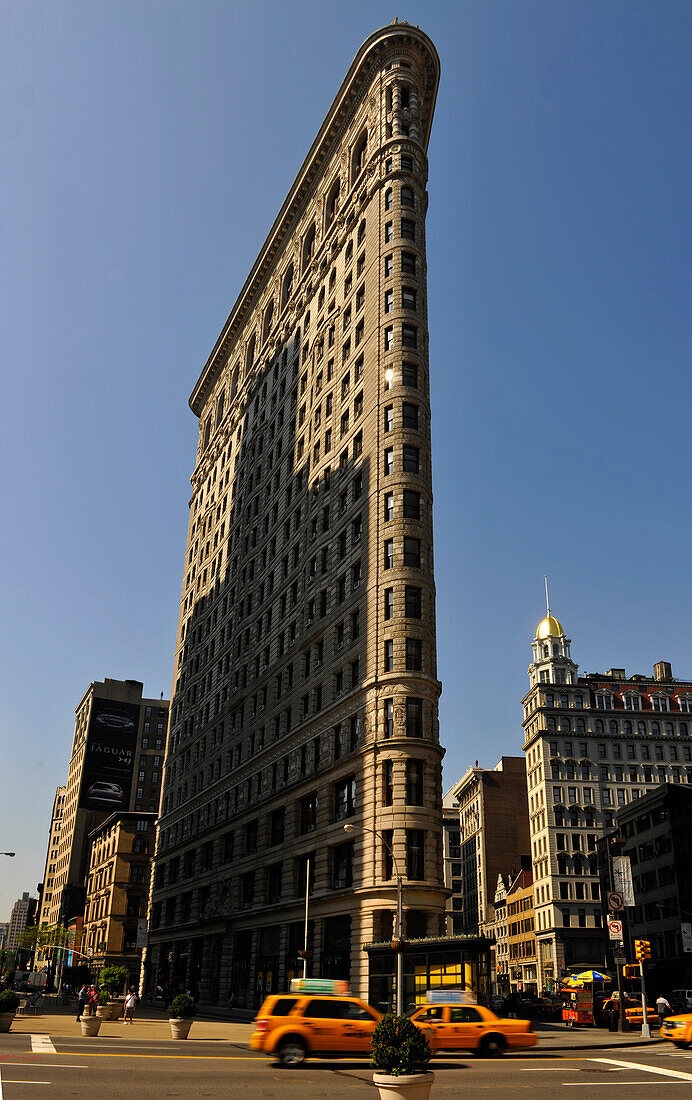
<point>318,1018</point>
<point>456,1022</point>
<point>633,1010</point>
<point>678,1029</point>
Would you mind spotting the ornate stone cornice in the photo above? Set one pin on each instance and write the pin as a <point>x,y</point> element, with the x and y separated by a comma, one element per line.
<point>350,95</point>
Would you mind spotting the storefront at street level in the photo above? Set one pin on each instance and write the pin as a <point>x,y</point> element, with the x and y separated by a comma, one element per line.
<point>447,962</point>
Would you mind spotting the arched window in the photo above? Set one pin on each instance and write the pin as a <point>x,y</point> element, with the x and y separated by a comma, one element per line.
<point>565,725</point>
<point>207,432</point>
<point>332,208</point>
<point>139,845</point>
<point>683,729</point>
<point>655,729</point>
<point>407,198</point>
<point>309,246</point>
<point>612,726</point>
<point>234,382</point>
<point>287,285</point>
<point>267,324</point>
<point>551,724</point>
<point>627,726</point>
<point>669,729</point>
<point>219,408</point>
<point>546,651</point>
<point>641,727</point>
<point>599,726</point>
<point>388,198</point>
<point>359,153</point>
<point>581,727</point>
<point>250,357</point>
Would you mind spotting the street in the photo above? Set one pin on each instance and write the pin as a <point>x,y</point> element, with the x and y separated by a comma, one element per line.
<point>123,1068</point>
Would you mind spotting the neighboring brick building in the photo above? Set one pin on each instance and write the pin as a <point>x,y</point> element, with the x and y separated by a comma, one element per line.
<point>305,686</point>
<point>521,938</point>
<point>117,891</point>
<point>492,816</point>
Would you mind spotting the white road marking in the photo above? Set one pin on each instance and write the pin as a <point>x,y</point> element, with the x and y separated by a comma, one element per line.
<point>592,1084</point>
<point>41,1044</point>
<point>552,1069</point>
<point>9,1081</point>
<point>676,1073</point>
<point>44,1065</point>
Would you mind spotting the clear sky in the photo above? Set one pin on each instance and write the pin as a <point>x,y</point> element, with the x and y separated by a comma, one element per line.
<point>146,148</point>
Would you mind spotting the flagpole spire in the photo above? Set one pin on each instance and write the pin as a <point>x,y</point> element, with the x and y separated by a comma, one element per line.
<point>547,601</point>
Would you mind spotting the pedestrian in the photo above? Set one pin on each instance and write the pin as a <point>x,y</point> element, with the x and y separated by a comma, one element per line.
<point>663,1008</point>
<point>130,1006</point>
<point>93,1000</point>
<point>82,1001</point>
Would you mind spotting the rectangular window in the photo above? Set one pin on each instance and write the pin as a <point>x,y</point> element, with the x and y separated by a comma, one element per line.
<point>411,459</point>
<point>345,798</point>
<point>414,655</point>
<point>388,265</point>
<point>388,301</point>
<point>387,783</point>
<point>409,336</point>
<point>415,854</point>
<point>411,504</point>
<point>388,232</point>
<point>414,782</point>
<point>408,263</point>
<point>414,717</point>
<point>412,552</point>
<point>412,602</point>
<point>408,297</point>
<point>389,717</point>
<point>388,418</point>
<point>409,375</point>
<point>389,602</point>
<point>388,506</point>
<point>388,655</point>
<point>408,229</point>
<point>409,416</point>
<point>342,866</point>
<point>389,552</point>
<point>388,461</point>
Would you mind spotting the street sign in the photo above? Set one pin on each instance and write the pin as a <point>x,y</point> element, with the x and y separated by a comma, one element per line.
<point>615,902</point>
<point>615,927</point>
<point>686,933</point>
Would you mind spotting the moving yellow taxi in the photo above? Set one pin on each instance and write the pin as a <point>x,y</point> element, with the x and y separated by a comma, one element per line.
<point>678,1029</point>
<point>453,1026</point>
<point>306,1024</point>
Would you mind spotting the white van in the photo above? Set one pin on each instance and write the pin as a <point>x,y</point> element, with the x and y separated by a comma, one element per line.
<point>681,1000</point>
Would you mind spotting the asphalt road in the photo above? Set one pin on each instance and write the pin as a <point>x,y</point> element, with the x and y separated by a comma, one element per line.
<point>132,1069</point>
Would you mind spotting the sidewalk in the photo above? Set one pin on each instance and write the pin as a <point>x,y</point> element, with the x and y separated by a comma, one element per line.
<point>559,1038</point>
<point>150,1024</point>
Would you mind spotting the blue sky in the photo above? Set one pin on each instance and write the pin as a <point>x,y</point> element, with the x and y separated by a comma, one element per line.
<point>146,149</point>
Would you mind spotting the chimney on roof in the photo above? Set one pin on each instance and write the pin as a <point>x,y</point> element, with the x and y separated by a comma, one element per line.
<point>662,671</point>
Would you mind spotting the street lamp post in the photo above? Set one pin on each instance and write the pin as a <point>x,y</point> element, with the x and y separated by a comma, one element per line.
<point>398,934</point>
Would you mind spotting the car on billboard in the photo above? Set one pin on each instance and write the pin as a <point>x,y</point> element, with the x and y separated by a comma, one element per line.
<point>118,722</point>
<point>104,791</point>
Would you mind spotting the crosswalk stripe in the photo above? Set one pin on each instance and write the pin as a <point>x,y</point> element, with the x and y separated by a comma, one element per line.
<point>41,1044</point>
<point>677,1073</point>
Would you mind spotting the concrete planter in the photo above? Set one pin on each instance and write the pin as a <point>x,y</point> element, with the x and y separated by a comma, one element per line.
<point>103,1012</point>
<point>90,1025</point>
<point>114,1010</point>
<point>6,1019</point>
<point>180,1029</point>
<point>414,1086</point>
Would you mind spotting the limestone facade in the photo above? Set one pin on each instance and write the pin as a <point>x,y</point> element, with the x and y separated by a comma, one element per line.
<point>305,687</point>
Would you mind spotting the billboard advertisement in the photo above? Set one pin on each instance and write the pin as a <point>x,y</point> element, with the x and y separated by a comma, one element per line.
<point>109,756</point>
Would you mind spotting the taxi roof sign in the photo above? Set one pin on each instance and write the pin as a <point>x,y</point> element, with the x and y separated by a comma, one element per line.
<point>450,997</point>
<point>326,986</point>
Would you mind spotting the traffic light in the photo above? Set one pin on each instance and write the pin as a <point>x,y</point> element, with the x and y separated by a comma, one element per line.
<point>629,970</point>
<point>642,949</point>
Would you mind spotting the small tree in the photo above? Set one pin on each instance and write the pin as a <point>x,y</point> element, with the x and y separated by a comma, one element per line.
<point>9,1001</point>
<point>113,978</point>
<point>398,1047</point>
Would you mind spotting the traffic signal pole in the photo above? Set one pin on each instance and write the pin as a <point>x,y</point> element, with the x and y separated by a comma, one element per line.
<point>646,1030</point>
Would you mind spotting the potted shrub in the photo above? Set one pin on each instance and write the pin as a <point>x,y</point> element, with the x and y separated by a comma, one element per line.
<point>103,1009</point>
<point>400,1052</point>
<point>180,1012</point>
<point>9,1003</point>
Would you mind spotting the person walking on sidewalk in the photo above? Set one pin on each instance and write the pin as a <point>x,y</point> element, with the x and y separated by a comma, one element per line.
<point>663,1008</point>
<point>130,1005</point>
<point>82,1001</point>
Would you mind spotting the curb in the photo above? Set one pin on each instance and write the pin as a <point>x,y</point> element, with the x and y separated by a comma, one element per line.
<point>601,1046</point>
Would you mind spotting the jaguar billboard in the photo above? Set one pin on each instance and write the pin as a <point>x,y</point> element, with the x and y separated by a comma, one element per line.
<point>110,756</point>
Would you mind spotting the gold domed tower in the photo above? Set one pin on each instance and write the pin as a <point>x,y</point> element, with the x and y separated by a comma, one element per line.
<point>552,661</point>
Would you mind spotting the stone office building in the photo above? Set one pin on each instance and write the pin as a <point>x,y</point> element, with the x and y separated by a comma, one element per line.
<point>305,684</point>
<point>593,744</point>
